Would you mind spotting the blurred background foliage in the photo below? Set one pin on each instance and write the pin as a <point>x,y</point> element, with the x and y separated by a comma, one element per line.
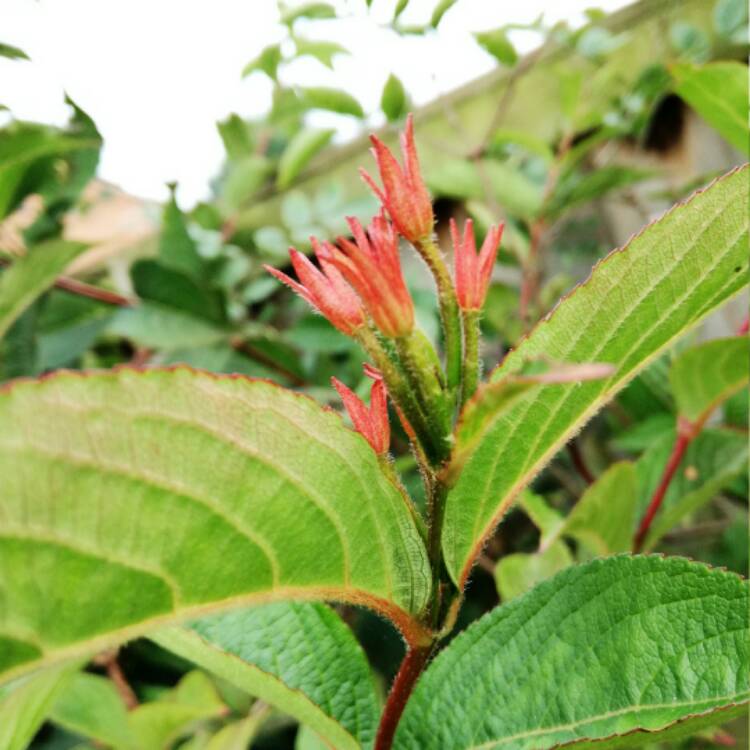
<point>574,146</point>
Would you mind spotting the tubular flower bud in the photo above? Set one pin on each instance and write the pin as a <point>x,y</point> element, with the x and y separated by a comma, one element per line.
<point>371,423</point>
<point>324,289</point>
<point>473,271</point>
<point>403,195</point>
<point>371,264</point>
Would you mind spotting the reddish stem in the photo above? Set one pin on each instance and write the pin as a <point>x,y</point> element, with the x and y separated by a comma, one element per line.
<point>744,326</point>
<point>577,458</point>
<point>685,435</point>
<point>93,292</point>
<point>411,667</point>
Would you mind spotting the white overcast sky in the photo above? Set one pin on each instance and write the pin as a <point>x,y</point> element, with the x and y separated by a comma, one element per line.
<point>156,75</point>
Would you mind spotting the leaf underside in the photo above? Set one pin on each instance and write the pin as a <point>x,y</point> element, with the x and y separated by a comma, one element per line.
<point>635,304</point>
<point>130,500</point>
<point>610,649</point>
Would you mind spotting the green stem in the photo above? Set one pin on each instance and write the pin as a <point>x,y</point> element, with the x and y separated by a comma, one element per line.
<point>436,497</point>
<point>402,393</point>
<point>470,376</point>
<point>448,310</point>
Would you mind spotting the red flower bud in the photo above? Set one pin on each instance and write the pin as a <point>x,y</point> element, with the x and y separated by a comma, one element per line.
<point>473,271</point>
<point>404,194</point>
<point>371,423</point>
<point>371,264</point>
<point>325,289</point>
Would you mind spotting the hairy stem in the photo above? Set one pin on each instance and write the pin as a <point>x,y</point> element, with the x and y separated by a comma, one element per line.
<point>448,310</point>
<point>685,435</point>
<point>411,667</point>
<point>470,376</point>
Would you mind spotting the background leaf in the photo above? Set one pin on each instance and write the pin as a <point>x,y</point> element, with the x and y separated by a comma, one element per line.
<point>303,146</point>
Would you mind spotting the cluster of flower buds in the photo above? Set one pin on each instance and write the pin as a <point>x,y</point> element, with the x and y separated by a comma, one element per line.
<point>359,282</point>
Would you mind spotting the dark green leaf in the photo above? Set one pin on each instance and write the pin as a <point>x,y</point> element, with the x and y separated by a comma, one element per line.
<point>177,248</point>
<point>11,52</point>
<point>618,648</point>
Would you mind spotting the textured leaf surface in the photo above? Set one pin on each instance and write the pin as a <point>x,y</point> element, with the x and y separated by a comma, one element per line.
<point>610,647</point>
<point>297,656</point>
<point>174,492</point>
<point>30,275</point>
<point>634,305</point>
<point>718,92</point>
<point>705,375</point>
<point>24,705</point>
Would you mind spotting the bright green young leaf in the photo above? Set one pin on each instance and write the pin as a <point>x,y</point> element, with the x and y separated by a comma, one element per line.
<point>517,573</point>
<point>498,45</point>
<point>303,146</point>
<point>298,657</point>
<point>236,136</point>
<point>615,647</point>
<point>158,724</point>
<point>320,50</point>
<point>547,519</point>
<point>26,703</point>
<point>308,10</point>
<point>306,739</point>
<point>711,462</point>
<point>634,305</point>
<point>603,520</point>
<point>177,248</point>
<point>705,375</point>
<point>267,62</point>
<point>173,493</point>
<point>333,100</point>
<point>32,274</point>
<point>442,7</point>
<point>12,53</point>
<point>718,92</point>
<point>237,735</point>
<point>393,99</point>
<point>91,707</point>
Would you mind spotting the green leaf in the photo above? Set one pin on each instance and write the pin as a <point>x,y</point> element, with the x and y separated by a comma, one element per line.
<point>12,53</point>
<point>714,459</point>
<point>125,500</point>
<point>25,704</point>
<point>158,724</point>
<point>31,275</point>
<point>393,99</point>
<point>604,518</point>
<point>547,519</point>
<point>526,140</point>
<point>576,188</point>
<point>267,62</point>
<point>708,374</point>
<point>718,93</point>
<point>332,100</point>
<point>498,45</point>
<point>245,177</point>
<point>236,136</point>
<point>177,248</point>
<point>690,41</point>
<point>517,573</point>
<point>320,50</point>
<point>91,707</point>
<point>634,305</point>
<point>298,153</point>
<point>730,16</point>
<point>298,657</point>
<point>308,10</point>
<point>617,648</point>
<point>442,7</point>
